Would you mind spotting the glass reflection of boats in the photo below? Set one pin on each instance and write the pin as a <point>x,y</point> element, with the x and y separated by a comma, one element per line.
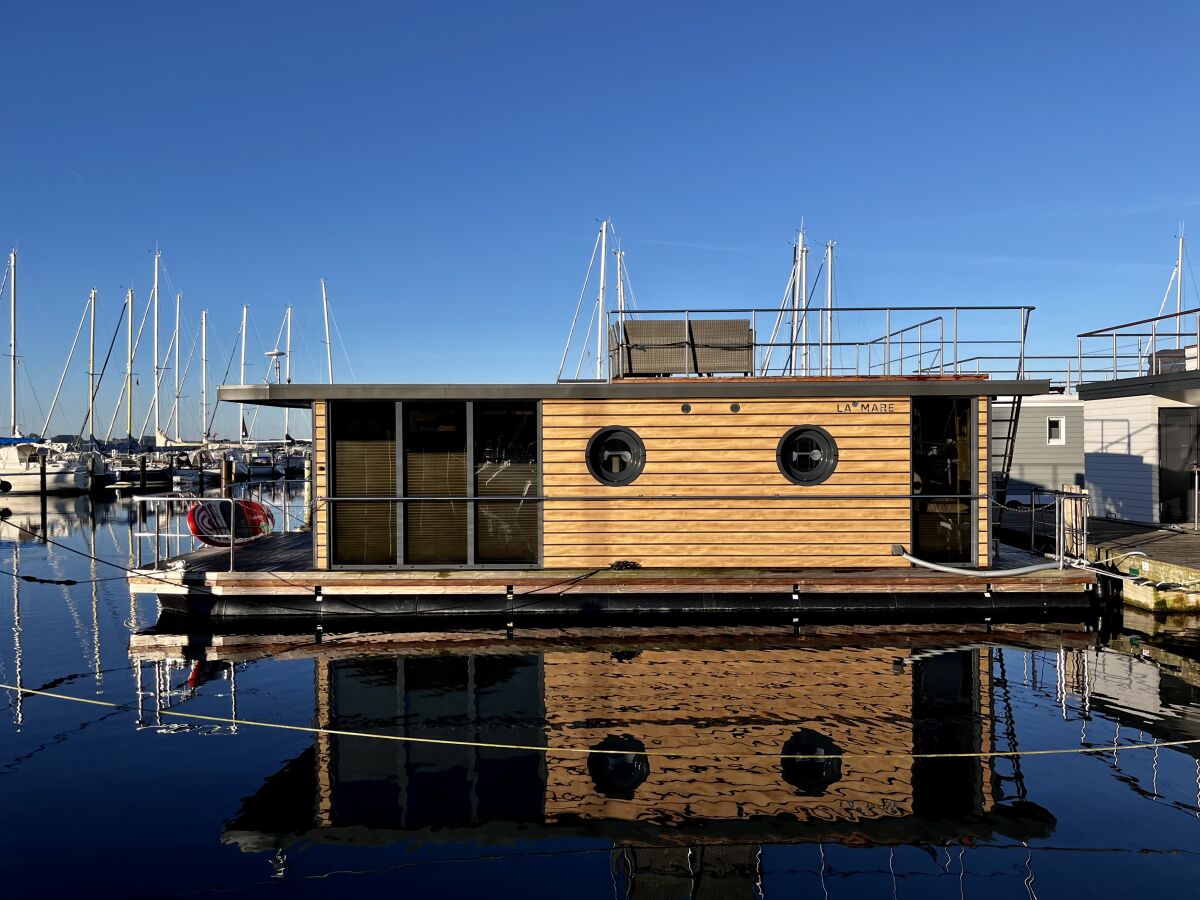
<point>709,693</point>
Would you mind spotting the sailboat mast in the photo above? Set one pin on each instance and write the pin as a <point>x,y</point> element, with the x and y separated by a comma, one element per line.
<point>803,279</point>
<point>175,405</point>
<point>828,308</point>
<point>241,406</point>
<point>154,299</point>
<point>287,366</point>
<point>794,368</point>
<point>328,344</point>
<point>1179,294</point>
<point>92,375</point>
<point>12,343</point>
<point>129,373</point>
<point>600,301</point>
<point>204,375</point>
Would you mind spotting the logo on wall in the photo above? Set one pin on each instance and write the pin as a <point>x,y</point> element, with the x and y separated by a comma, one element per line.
<point>856,406</point>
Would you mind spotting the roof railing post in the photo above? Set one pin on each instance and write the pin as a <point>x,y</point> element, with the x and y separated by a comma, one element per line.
<point>920,348</point>
<point>687,343</point>
<point>1079,358</point>
<point>956,340</point>
<point>1114,356</point>
<point>1021,348</point>
<point>941,345</point>
<point>887,338</point>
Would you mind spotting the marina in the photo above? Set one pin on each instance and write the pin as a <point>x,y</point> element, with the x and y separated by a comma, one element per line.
<point>351,752</point>
<point>394,523</point>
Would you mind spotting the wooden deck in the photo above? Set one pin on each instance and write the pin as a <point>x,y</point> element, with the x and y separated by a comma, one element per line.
<point>1166,559</point>
<point>280,566</point>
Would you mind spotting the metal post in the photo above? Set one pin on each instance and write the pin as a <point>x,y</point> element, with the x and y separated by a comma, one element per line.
<point>1079,358</point>
<point>941,345</point>
<point>1114,356</point>
<point>887,340</point>
<point>687,333</point>
<point>142,472</point>
<point>956,340</point>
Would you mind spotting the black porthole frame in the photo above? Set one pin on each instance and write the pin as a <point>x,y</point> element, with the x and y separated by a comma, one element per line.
<point>636,464</point>
<point>828,464</point>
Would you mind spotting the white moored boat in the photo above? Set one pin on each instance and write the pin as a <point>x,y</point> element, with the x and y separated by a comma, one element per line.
<point>20,468</point>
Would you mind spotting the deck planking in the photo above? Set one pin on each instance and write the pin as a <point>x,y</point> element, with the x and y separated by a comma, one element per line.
<point>281,565</point>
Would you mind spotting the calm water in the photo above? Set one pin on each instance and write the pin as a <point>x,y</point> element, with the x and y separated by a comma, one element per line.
<point>135,802</point>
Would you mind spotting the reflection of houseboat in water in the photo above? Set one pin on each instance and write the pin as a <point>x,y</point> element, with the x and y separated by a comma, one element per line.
<point>726,696</point>
<point>687,474</point>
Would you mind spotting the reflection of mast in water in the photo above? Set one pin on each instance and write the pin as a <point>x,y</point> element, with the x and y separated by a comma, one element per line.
<point>18,695</point>
<point>97,672</point>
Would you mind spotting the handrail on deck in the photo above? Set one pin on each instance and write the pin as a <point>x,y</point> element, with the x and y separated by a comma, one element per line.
<point>1152,359</point>
<point>679,350</point>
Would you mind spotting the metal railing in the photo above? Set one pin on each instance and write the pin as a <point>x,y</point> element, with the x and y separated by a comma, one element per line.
<point>1143,341</point>
<point>1065,535</point>
<point>170,508</point>
<point>851,341</point>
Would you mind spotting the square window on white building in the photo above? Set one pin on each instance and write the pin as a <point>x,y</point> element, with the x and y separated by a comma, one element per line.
<point>1056,431</point>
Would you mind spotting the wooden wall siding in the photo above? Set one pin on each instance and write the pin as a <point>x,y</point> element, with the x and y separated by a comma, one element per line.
<point>984,484</point>
<point>320,484</point>
<point>713,451</point>
<point>750,701</point>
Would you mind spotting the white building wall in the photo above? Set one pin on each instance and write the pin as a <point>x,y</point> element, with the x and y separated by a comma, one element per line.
<point>1121,456</point>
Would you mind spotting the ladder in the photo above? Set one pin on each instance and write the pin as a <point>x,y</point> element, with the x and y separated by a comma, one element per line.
<point>1005,414</point>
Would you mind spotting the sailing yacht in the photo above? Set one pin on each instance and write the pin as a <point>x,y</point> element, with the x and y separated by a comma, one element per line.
<point>21,469</point>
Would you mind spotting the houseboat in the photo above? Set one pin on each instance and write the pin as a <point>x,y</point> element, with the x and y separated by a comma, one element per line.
<point>687,474</point>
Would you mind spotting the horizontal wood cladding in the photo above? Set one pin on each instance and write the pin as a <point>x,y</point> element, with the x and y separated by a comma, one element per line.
<point>668,516</point>
<point>321,484</point>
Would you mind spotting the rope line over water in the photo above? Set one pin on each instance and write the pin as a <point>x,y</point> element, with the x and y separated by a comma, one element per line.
<point>585,751</point>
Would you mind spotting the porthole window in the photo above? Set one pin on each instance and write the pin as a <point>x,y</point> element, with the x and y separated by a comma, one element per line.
<point>807,454</point>
<point>615,456</point>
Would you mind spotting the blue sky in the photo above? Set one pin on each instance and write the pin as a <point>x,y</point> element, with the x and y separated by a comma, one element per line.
<point>444,166</point>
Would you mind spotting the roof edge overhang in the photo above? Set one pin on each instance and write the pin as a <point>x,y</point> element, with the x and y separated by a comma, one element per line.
<point>1181,386</point>
<point>303,395</point>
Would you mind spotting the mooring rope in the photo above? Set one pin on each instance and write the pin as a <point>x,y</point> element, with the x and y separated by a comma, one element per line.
<point>584,751</point>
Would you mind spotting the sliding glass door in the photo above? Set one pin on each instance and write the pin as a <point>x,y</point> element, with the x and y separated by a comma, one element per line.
<point>476,462</point>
